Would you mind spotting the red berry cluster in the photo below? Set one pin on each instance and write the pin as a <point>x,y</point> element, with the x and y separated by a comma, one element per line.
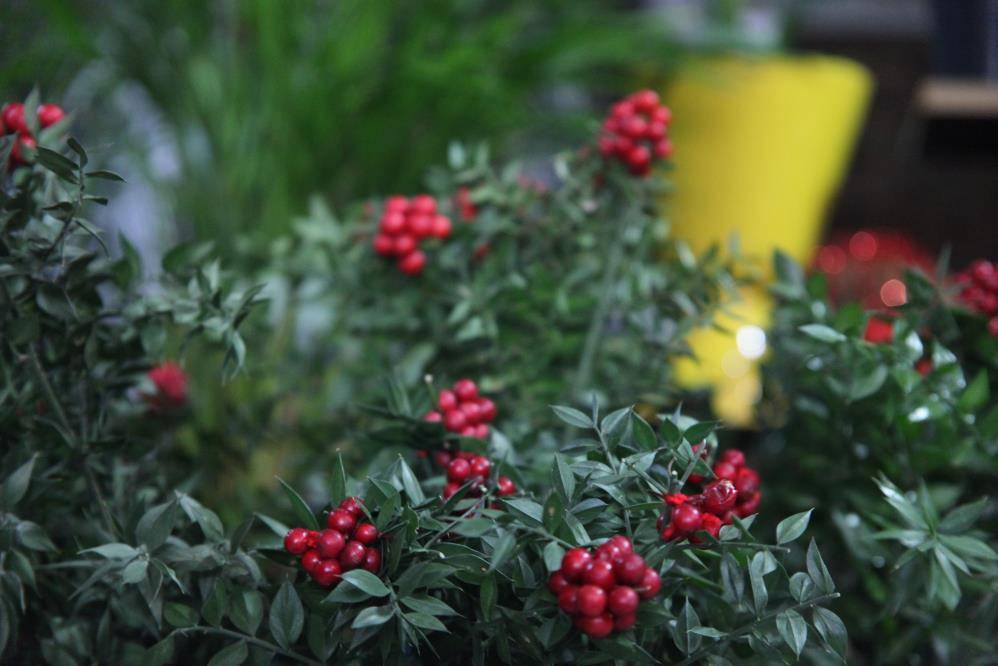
<point>463,411</point>
<point>170,382</point>
<point>404,224</point>
<point>12,121</point>
<point>602,591</point>
<point>465,206</point>
<point>344,545</point>
<point>980,291</point>
<point>636,132</point>
<point>464,465</point>
<point>735,491</point>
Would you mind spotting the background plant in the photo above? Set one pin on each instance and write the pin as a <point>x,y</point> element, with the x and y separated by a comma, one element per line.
<point>897,440</point>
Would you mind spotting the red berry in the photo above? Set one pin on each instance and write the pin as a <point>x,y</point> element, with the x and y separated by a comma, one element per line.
<point>481,431</point>
<point>624,622</point>
<point>557,583</point>
<point>993,326</point>
<point>13,118</point>
<point>610,552</point>
<point>711,524</point>
<point>421,226</point>
<point>433,417</point>
<point>352,555</point>
<point>372,560</point>
<point>442,458</point>
<point>650,584</point>
<point>487,409</point>
<point>352,505</point>
<point>725,470</point>
<point>396,204</point>
<point>630,569</point>
<point>450,489</point>
<point>447,400</point>
<point>645,100</point>
<point>455,420</point>
<point>466,389</point>
<point>623,600</point>
<point>331,542</point>
<point>669,532</point>
<point>49,114</point>
<point>424,204</point>
<point>326,572</point>
<point>568,599</point>
<point>404,244</point>
<point>296,541</point>
<point>746,483</point>
<point>481,466</point>
<point>413,263</point>
<point>622,543</point>
<point>878,331</point>
<point>662,115</point>
<point>923,366</point>
<point>392,224</point>
<point>749,506</point>
<point>575,562</point>
<point>384,245</point>
<point>686,518</point>
<point>719,496</point>
<point>22,143</point>
<point>597,627</point>
<point>366,533</point>
<point>591,600</point>
<point>505,486</point>
<point>467,455</point>
<point>656,131</point>
<point>341,520</point>
<point>469,431</point>
<point>441,226</point>
<point>600,574</point>
<point>633,126</point>
<point>472,412</point>
<point>310,560</point>
<point>663,149</point>
<point>458,470</point>
<point>733,456</point>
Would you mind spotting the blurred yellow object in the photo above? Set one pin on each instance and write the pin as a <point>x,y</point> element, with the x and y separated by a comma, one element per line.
<point>761,145</point>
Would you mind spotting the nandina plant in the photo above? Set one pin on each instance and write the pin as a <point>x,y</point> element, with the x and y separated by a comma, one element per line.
<point>888,419</point>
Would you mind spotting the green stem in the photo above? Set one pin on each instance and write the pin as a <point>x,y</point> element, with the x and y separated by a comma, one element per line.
<point>737,544</point>
<point>748,628</point>
<point>235,635</point>
<point>50,396</point>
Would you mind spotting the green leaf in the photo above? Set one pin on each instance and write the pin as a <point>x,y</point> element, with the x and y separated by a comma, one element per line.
<point>287,616</point>
<point>530,511</point>
<point>16,485</point>
<point>822,333</point>
<point>160,654</point>
<point>367,582</point>
<point>909,512</point>
<point>670,432</point>
<point>553,554</point>
<point>302,512</point>
<point>504,548</point>
<point>963,517</point>
<point>135,571</point>
<point>373,616</point>
<point>156,524</point>
<point>573,417</point>
<point>760,596</point>
<point>105,175</point>
<point>801,586</point>
<point>976,394</point>
<point>113,551</point>
<point>424,621</point>
<point>410,484</point>
<point>817,570</point>
<point>688,619</point>
<point>644,436</point>
<point>793,629</point>
<point>215,606</point>
<point>792,527</point>
<point>488,593</point>
<point>180,615</point>
<point>698,431</point>
<point>832,630</point>
<point>233,655</point>
<point>338,482</point>
<point>564,479</point>
<point>426,604</point>
<point>968,546</point>
<point>246,611</point>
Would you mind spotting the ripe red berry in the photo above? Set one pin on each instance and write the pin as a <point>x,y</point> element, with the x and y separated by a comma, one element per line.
<point>600,574</point>
<point>622,543</point>
<point>433,417</point>
<point>624,622</point>
<point>746,483</point>
<point>405,244</point>
<point>749,506</point>
<point>466,389</point>
<point>296,541</point>
<point>396,204</point>
<point>711,524</point>
<point>633,126</point>
<point>310,560</point>
<point>487,409</point>
<point>650,584</point>
<point>592,600</point>
<point>352,555</point>
<point>392,224</point>
<point>663,149</point>
<point>481,431</point>
<point>447,401</point>
<point>568,599</point>
<point>49,114</point>
<point>384,245</point>
<point>472,412</point>
<point>423,203</point>
<point>366,533</point>
<point>331,542</point>
<point>326,572</point>
<point>719,496</point>
<point>686,518</point>
<point>372,560</point>
<point>442,226</point>
<point>13,118</point>
<point>597,627</point>
<point>342,521</point>
<point>575,562</point>
<point>455,420</point>
<point>352,505</point>
<point>623,600</point>
<point>630,569</point>
<point>450,489</point>
<point>421,226</point>
<point>645,101</point>
<point>505,486</point>
<point>610,552</point>
<point>725,470</point>
<point>442,458</point>
<point>480,466</point>
<point>413,262</point>
<point>458,470</point>
<point>733,456</point>
<point>557,583</point>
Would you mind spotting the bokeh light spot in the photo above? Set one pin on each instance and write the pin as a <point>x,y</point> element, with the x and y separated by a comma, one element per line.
<point>832,259</point>
<point>751,341</point>
<point>893,293</point>
<point>863,246</point>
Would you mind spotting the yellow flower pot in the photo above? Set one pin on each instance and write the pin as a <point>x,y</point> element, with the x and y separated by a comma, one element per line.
<point>761,145</point>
